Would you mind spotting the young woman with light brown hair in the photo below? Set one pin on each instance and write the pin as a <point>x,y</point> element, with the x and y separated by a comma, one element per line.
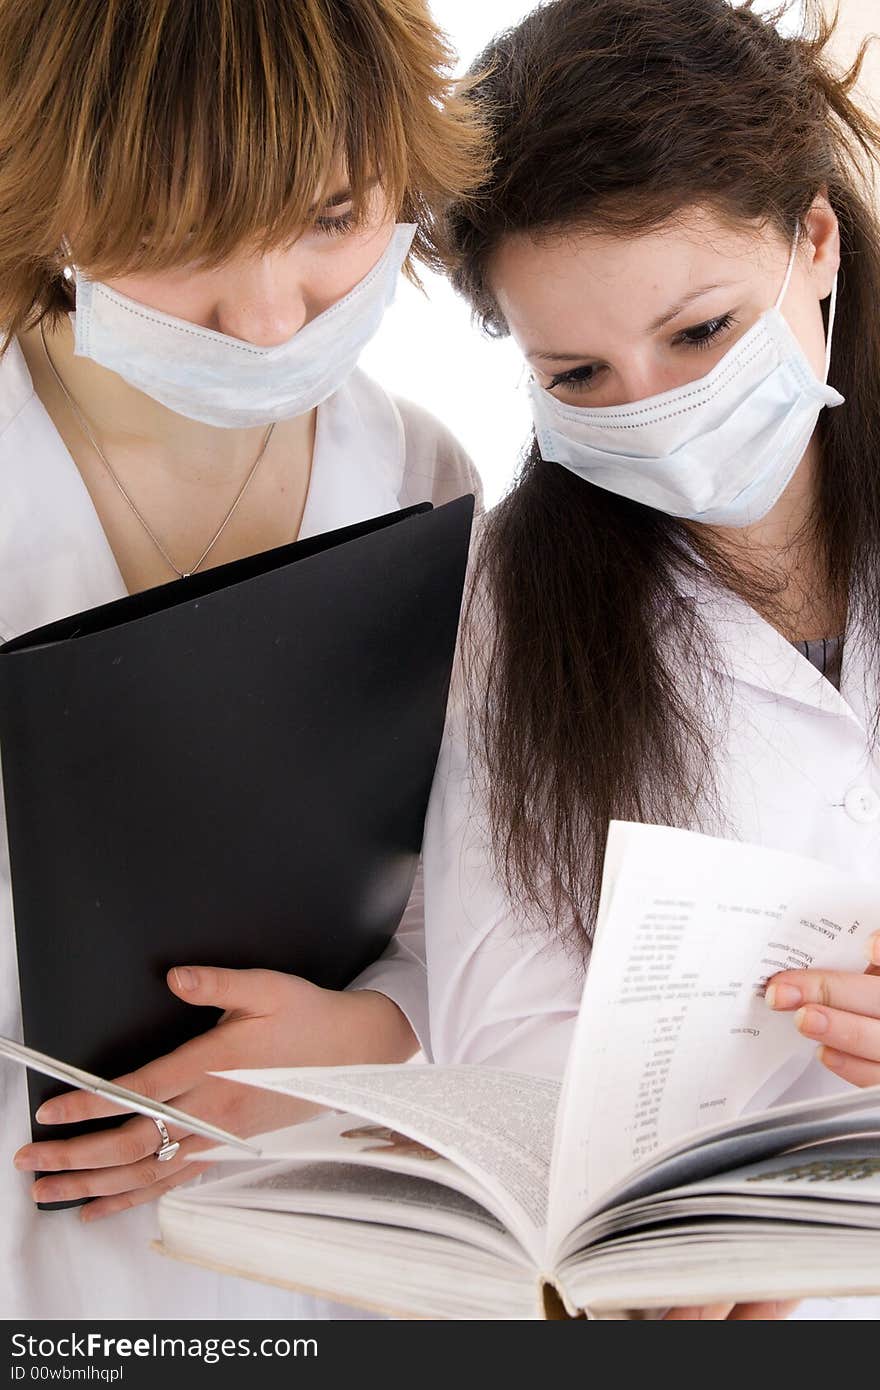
<point>676,612</point>
<point>203,211</point>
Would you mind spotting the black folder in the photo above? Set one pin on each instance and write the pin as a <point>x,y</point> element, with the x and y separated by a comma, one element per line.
<point>232,769</point>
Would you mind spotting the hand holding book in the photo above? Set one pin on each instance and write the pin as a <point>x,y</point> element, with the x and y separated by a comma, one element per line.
<point>840,1010</point>
<point>847,1025</point>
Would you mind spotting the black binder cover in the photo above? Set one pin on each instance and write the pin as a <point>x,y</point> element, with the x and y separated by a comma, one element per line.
<point>232,769</point>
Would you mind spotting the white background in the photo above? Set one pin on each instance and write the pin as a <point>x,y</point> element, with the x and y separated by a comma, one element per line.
<point>428,350</point>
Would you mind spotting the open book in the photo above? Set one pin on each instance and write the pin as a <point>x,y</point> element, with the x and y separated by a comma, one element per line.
<point>650,1177</point>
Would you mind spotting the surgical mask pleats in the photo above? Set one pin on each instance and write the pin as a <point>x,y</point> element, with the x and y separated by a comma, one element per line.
<point>225,381</point>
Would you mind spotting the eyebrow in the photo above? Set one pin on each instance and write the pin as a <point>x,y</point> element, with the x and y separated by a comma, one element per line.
<point>655,327</point>
<point>682,304</point>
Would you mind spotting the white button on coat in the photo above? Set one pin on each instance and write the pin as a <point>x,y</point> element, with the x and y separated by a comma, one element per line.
<point>863,805</point>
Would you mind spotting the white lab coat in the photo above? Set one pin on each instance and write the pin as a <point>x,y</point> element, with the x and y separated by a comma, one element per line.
<point>372,456</point>
<point>796,770</point>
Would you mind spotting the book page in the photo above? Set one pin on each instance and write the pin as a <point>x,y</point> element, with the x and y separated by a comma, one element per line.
<point>720,1149</point>
<point>497,1126</point>
<point>845,1170</point>
<point>715,1161</point>
<point>673,1033</point>
<point>392,1270</point>
<point>733,1259</point>
<point>340,1139</point>
<point>347,1191</point>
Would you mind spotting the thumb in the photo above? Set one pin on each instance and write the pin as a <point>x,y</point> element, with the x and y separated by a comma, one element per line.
<point>242,991</point>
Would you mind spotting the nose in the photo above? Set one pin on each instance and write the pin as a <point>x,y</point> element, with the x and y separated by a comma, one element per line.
<point>640,381</point>
<point>263,304</point>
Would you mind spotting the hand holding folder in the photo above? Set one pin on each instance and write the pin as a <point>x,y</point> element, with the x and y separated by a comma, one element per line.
<point>232,769</point>
<point>267,1016</point>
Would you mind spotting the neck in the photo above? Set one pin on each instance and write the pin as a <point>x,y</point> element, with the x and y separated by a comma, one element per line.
<point>156,474</point>
<point>782,555</point>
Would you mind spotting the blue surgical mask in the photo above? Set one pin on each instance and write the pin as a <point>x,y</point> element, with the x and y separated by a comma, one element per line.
<point>226,381</point>
<point>721,449</point>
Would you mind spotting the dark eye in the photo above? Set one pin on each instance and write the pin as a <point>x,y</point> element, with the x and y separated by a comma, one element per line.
<point>705,333</point>
<point>578,379</point>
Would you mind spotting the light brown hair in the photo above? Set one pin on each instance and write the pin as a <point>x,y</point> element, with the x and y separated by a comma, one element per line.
<point>153,133</point>
<point>612,116</point>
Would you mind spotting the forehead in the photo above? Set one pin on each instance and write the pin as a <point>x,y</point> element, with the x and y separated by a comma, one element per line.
<point>545,283</point>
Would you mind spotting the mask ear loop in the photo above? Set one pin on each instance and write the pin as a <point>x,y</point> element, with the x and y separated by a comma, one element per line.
<point>524,379</point>
<point>790,271</point>
<point>832,314</point>
<point>832,308</point>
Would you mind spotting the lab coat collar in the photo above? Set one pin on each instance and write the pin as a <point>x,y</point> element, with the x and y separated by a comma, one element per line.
<point>359,458</point>
<point>55,559</point>
<point>859,682</point>
<point>751,650</point>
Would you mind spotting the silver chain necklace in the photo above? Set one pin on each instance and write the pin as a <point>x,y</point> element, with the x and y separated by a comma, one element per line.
<point>84,424</point>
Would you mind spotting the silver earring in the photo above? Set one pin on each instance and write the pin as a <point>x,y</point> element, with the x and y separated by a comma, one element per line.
<point>67,269</point>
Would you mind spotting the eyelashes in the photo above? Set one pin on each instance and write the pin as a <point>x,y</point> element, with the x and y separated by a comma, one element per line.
<point>336,226</point>
<point>704,334</point>
<point>699,339</point>
<point>581,378</point>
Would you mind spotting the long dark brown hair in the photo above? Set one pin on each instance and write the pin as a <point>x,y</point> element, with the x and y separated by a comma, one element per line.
<point>611,116</point>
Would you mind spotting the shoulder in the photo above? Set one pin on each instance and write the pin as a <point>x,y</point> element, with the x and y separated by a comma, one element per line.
<point>429,462</point>
<point>437,466</point>
<point>16,386</point>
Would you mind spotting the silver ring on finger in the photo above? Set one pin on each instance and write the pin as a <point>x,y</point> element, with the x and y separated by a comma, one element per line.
<point>169,1146</point>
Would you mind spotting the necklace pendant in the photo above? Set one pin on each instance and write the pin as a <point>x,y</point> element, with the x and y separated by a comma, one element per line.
<point>87,431</point>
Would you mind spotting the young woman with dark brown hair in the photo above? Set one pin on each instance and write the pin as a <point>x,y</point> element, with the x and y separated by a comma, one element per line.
<point>676,613</point>
<point>204,207</point>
